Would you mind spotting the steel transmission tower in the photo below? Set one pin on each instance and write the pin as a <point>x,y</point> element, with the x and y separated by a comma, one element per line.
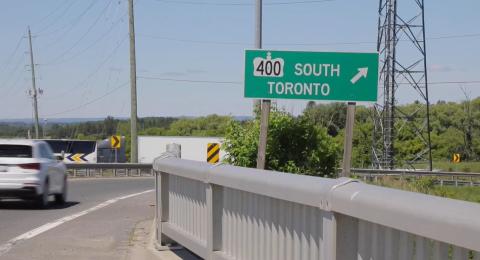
<point>403,69</point>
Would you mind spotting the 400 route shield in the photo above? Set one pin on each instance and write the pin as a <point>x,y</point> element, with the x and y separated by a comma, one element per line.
<point>333,76</point>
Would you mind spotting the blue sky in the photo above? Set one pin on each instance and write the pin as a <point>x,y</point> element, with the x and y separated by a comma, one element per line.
<point>81,48</point>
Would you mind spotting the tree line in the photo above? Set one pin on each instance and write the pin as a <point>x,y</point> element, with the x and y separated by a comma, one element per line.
<point>304,143</point>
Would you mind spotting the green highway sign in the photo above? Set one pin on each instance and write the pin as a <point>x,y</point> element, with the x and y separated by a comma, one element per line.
<point>334,76</point>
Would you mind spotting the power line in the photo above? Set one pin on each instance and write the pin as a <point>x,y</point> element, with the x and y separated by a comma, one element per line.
<point>473,35</point>
<point>191,80</point>
<point>13,85</point>
<point>10,57</point>
<point>11,73</point>
<point>452,82</point>
<point>190,40</point>
<point>41,20</point>
<point>245,43</point>
<point>94,72</point>
<point>297,2</point>
<point>97,41</point>
<point>83,36</point>
<point>72,25</point>
<point>62,14</point>
<point>89,102</point>
<point>241,82</point>
<point>243,4</point>
<point>441,83</point>
<point>126,83</point>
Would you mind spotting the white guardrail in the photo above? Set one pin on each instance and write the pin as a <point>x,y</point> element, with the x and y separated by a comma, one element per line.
<point>227,212</point>
<point>441,178</point>
<point>109,169</point>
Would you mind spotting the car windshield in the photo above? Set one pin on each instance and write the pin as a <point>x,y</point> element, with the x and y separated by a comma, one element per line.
<point>19,151</point>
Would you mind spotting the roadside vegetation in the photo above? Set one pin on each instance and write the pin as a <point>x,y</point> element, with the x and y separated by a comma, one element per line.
<point>453,167</point>
<point>310,142</point>
<point>427,185</point>
<point>294,145</point>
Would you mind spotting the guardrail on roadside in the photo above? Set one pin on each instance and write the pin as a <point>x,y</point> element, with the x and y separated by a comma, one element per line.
<point>227,212</point>
<point>109,169</point>
<point>144,169</point>
<point>441,177</point>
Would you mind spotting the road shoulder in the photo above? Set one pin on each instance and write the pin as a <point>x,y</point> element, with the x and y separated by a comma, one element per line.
<point>142,245</point>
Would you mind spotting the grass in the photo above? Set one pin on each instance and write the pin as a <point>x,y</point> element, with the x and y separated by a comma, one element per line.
<point>453,167</point>
<point>427,186</point>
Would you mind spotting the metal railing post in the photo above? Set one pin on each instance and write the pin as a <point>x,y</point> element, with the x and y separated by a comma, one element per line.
<point>157,207</point>
<point>163,208</point>
<point>162,199</point>
<point>329,230</point>
<point>214,196</point>
<point>347,237</point>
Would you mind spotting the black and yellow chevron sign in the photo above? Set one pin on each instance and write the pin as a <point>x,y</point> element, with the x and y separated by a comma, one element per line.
<point>115,141</point>
<point>456,158</point>
<point>77,157</point>
<point>213,152</point>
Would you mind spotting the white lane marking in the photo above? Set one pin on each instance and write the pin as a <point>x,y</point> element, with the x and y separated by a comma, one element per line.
<point>37,231</point>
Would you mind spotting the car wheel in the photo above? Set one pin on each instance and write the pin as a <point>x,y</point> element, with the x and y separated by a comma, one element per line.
<point>43,199</point>
<point>61,198</point>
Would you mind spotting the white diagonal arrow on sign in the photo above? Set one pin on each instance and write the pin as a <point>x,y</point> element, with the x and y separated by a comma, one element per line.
<point>362,72</point>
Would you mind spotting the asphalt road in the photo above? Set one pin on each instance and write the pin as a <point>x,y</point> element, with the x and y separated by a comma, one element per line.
<point>98,222</point>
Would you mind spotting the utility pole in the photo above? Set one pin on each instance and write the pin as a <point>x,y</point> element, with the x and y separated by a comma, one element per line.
<point>133,87</point>
<point>265,113</point>
<point>257,103</point>
<point>34,88</point>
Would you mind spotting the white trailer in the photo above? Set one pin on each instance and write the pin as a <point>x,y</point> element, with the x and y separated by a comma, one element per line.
<point>193,148</point>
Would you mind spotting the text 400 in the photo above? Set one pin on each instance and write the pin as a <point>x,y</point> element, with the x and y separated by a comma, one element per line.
<point>268,68</point>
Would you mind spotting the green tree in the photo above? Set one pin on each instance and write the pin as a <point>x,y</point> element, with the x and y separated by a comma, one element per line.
<point>212,125</point>
<point>294,144</point>
<point>331,116</point>
<point>110,125</point>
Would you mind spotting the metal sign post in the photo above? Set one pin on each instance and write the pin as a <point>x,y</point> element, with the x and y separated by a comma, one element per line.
<point>115,143</point>
<point>347,145</point>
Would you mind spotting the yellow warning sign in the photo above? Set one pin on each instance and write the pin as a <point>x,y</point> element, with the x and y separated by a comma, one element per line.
<point>213,153</point>
<point>115,141</point>
<point>456,158</point>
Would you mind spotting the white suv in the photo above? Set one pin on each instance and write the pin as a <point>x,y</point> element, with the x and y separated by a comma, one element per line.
<point>29,170</point>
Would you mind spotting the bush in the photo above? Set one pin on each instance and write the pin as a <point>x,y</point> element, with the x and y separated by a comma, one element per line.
<point>294,145</point>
